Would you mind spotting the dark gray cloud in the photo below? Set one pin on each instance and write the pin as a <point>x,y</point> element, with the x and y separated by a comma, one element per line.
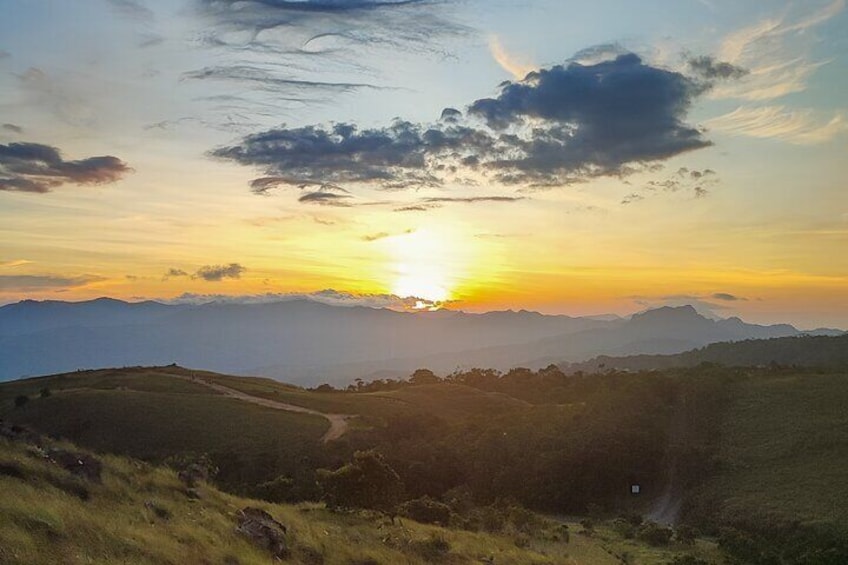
<point>264,24</point>
<point>44,282</point>
<point>12,128</point>
<point>172,272</point>
<point>707,67</point>
<point>558,126</point>
<point>727,297</point>
<point>33,167</point>
<point>215,273</point>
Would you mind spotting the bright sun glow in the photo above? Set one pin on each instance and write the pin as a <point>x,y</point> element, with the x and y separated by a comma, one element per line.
<point>421,266</point>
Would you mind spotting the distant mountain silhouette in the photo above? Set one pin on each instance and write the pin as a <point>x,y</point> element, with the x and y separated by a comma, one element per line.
<point>307,342</point>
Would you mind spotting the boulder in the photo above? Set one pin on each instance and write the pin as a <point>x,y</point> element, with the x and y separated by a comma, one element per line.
<point>81,465</point>
<point>263,530</point>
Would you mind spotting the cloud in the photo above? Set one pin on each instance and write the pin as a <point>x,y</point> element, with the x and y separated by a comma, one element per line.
<point>14,263</point>
<point>559,125</point>
<point>776,50</point>
<point>514,66</point>
<point>709,68</point>
<point>303,26</point>
<point>800,127</point>
<point>32,167</point>
<point>132,8</point>
<point>172,272</point>
<point>22,283</point>
<point>473,199</point>
<point>297,89</point>
<point>727,297</point>
<point>324,198</point>
<point>327,296</point>
<point>698,182</point>
<point>12,128</point>
<point>216,273</point>
<point>383,235</point>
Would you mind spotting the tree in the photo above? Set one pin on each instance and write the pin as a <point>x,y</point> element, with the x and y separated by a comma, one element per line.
<point>424,377</point>
<point>366,482</point>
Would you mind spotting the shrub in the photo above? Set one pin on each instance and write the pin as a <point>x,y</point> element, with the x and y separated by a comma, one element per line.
<point>366,482</point>
<point>426,510</point>
<point>654,534</point>
<point>44,393</point>
<point>21,400</point>
<point>624,528</point>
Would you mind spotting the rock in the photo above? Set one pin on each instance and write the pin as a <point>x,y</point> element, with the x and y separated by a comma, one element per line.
<point>192,475</point>
<point>193,494</point>
<point>81,465</point>
<point>263,530</point>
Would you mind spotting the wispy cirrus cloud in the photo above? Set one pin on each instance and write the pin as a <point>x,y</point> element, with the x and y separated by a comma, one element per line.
<point>801,127</point>
<point>38,168</point>
<point>513,64</point>
<point>776,51</point>
<point>557,126</point>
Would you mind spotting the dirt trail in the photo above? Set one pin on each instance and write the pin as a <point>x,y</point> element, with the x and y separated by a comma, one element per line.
<point>338,422</point>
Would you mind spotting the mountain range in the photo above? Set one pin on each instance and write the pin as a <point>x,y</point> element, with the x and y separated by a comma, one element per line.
<point>306,342</point>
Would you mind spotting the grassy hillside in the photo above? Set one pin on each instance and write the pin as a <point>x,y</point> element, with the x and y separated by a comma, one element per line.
<point>804,351</point>
<point>760,451</point>
<point>784,452</point>
<point>140,514</point>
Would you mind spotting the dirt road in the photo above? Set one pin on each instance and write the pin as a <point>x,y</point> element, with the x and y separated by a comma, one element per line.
<point>338,422</point>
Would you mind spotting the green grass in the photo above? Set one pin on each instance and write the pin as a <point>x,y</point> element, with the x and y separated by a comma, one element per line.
<point>41,523</point>
<point>153,425</point>
<point>784,451</point>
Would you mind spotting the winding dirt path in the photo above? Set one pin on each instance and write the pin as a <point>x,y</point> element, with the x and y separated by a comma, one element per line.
<point>338,422</point>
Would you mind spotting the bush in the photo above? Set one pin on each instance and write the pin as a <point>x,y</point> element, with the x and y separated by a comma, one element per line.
<point>44,393</point>
<point>624,528</point>
<point>426,510</point>
<point>654,534</point>
<point>366,482</point>
<point>21,400</point>
<point>280,489</point>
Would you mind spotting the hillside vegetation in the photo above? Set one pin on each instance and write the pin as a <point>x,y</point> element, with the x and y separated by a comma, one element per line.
<point>135,513</point>
<point>752,456</point>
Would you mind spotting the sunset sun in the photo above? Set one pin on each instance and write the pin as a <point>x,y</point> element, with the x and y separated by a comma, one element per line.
<point>421,261</point>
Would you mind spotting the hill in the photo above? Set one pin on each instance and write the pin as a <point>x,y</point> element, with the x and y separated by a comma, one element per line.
<point>803,351</point>
<point>750,454</point>
<point>124,511</point>
<point>307,342</point>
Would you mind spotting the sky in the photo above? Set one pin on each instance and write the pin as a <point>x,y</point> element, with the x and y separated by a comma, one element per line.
<point>554,155</point>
